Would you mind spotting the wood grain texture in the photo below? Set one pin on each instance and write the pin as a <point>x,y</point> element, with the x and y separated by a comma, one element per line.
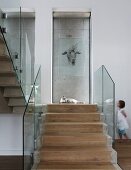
<point>73,139</point>
<point>123,149</point>
<point>71,108</point>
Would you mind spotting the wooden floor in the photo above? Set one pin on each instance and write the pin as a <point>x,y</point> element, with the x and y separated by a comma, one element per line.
<point>124,153</point>
<point>11,162</point>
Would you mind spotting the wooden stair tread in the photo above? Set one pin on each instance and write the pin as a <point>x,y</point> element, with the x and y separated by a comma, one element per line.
<point>13,96</point>
<point>87,135</point>
<point>127,160</point>
<point>75,155</point>
<point>123,141</point>
<point>73,123</point>
<point>1,40</point>
<point>82,166</point>
<point>19,109</point>
<point>17,101</point>
<point>69,133</point>
<point>71,117</point>
<point>71,104</point>
<point>13,92</point>
<point>5,58</point>
<point>65,108</point>
<point>123,149</point>
<point>7,73</point>
<point>83,149</point>
<point>9,85</point>
<point>72,140</point>
<point>69,113</point>
<point>18,105</point>
<point>73,127</point>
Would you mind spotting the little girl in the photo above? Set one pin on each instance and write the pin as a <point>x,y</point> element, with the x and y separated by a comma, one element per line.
<point>121,120</point>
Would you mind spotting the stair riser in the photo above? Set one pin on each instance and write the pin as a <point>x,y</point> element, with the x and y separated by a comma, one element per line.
<point>56,166</point>
<point>72,117</point>
<point>73,128</point>
<point>69,108</point>
<point>19,110</point>
<point>12,92</point>
<point>75,156</point>
<point>2,49</point>
<point>6,66</point>
<point>8,81</point>
<point>124,154</point>
<point>73,141</point>
<point>5,58</point>
<point>16,102</point>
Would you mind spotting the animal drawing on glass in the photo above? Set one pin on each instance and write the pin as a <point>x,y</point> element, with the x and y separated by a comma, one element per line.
<point>71,54</point>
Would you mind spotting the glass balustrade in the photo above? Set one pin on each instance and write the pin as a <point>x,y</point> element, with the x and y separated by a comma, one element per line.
<point>104,97</point>
<point>32,122</point>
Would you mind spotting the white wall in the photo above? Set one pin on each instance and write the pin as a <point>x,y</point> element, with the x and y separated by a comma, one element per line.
<point>10,134</point>
<point>9,4</point>
<point>111,40</point>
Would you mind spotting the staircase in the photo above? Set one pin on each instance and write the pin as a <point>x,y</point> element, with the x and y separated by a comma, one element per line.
<point>75,138</point>
<point>11,96</point>
<point>124,153</point>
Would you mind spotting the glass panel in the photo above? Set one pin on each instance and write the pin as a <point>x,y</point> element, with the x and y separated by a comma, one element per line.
<point>20,40</point>
<point>12,37</point>
<point>29,133</point>
<point>71,59</point>
<point>38,111</point>
<point>108,101</point>
<point>27,51</point>
<point>98,94</point>
<point>104,97</point>
<point>11,21</point>
<point>1,18</point>
<point>31,122</point>
<point>26,66</point>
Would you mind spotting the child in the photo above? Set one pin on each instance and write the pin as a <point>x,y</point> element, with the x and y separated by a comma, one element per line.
<point>121,120</point>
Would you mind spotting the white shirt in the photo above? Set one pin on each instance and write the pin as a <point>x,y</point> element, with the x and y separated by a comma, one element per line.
<point>121,120</point>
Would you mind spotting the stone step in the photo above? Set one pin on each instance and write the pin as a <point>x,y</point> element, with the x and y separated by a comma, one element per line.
<point>71,108</point>
<point>73,127</point>
<point>16,102</point>
<point>13,92</point>
<point>71,117</point>
<point>84,140</point>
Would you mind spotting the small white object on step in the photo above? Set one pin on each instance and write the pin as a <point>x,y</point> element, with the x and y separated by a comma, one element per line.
<point>69,100</point>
